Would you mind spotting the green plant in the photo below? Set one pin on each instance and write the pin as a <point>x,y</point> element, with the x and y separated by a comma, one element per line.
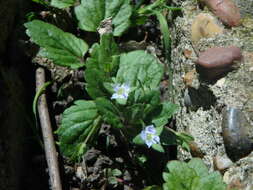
<point>123,88</point>
<point>193,175</point>
<point>139,74</point>
<point>62,47</point>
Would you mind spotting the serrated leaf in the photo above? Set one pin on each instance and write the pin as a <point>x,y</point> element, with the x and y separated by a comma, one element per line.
<point>102,64</point>
<point>77,123</point>
<point>191,176</point>
<point>61,4</point>
<point>63,48</point>
<point>139,69</point>
<point>198,165</point>
<point>109,112</point>
<point>213,181</point>
<point>92,12</point>
<point>182,175</point>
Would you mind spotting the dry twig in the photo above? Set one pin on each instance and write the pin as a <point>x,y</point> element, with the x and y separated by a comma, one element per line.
<point>50,150</point>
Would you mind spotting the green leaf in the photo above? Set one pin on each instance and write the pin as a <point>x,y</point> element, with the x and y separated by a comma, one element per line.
<point>142,159</point>
<point>184,139</point>
<point>168,109</point>
<point>153,187</point>
<point>167,47</point>
<point>198,165</point>
<point>151,97</point>
<point>78,124</point>
<point>180,176</point>
<point>191,176</point>
<point>138,140</point>
<point>42,2</point>
<point>92,12</point>
<point>61,4</point>
<point>109,112</point>
<point>158,147</point>
<point>165,32</point>
<point>212,181</point>
<point>168,138</point>
<point>134,113</point>
<point>103,64</point>
<point>112,180</point>
<point>139,69</point>
<point>116,172</point>
<point>63,48</point>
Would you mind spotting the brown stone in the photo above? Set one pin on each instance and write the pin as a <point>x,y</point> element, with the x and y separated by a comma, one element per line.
<point>215,62</point>
<point>226,10</point>
<point>204,26</point>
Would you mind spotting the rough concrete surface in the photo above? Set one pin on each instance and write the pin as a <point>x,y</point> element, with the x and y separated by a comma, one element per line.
<point>202,101</point>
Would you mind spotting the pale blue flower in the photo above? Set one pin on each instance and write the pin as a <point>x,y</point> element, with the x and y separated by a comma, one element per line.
<point>149,136</point>
<point>121,91</point>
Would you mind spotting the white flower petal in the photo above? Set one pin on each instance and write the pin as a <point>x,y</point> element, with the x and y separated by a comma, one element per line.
<point>121,91</point>
<point>150,129</point>
<point>156,139</point>
<point>125,95</point>
<point>116,87</point>
<point>149,143</point>
<point>115,96</point>
<point>143,135</point>
<point>126,87</point>
<point>149,136</point>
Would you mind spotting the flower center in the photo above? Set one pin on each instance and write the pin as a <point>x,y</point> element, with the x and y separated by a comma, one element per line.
<point>121,91</point>
<point>149,137</point>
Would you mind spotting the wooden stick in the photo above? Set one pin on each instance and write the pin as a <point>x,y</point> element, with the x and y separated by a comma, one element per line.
<point>49,145</point>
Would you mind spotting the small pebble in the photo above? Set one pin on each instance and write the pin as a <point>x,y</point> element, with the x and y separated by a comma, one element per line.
<point>189,77</point>
<point>226,10</point>
<point>222,163</point>
<point>80,173</point>
<point>217,61</point>
<point>187,53</point>
<point>204,26</point>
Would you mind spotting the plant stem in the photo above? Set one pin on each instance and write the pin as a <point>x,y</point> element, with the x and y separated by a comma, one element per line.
<point>167,46</point>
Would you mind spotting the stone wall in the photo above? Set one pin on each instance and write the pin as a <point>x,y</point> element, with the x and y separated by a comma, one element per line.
<point>202,100</point>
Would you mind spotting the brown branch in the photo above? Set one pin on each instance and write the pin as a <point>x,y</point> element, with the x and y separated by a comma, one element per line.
<point>50,150</point>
